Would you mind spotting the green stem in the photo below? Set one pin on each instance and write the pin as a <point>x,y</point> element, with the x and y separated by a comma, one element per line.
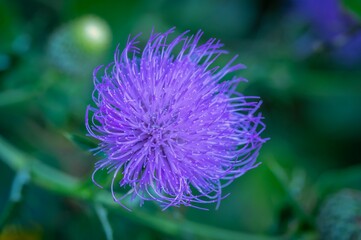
<point>282,179</point>
<point>57,181</point>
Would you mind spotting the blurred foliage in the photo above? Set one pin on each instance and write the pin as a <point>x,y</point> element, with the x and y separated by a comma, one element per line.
<point>311,101</point>
<point>353,6</point>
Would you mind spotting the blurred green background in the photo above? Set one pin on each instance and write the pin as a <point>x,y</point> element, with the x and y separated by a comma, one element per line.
<point>307,73</point>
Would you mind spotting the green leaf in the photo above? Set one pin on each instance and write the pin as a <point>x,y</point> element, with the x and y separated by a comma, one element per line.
<point>81,141</point>
<point>103,217</point>
<point>16,193</point>
<point>20,180</point>
<point>353,6</point>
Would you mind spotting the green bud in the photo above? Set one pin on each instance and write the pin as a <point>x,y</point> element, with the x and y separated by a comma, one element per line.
<point>340,216</point>
<point>78,46</point>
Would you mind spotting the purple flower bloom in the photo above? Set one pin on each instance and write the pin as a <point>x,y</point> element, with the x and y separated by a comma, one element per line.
<point>170,125</point>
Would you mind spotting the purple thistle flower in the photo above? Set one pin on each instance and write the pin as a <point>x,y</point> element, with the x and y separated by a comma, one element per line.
<point>170,125</point>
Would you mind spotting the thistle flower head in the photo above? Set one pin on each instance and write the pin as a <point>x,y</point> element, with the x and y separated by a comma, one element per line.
<point>169,122</point>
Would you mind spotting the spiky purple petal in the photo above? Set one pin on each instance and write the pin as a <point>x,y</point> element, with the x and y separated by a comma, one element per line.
<point>168,121</point>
